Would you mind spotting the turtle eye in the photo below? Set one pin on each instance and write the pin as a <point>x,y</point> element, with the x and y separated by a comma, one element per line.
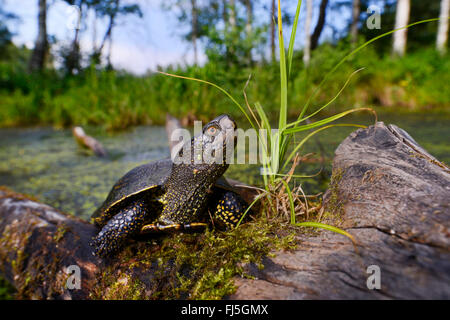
<point>212,130</point>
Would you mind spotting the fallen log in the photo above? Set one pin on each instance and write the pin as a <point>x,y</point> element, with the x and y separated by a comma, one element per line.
<point>391,195</point>
<point>88,142</point>
<point>38,244</point>
<point>386,191</point>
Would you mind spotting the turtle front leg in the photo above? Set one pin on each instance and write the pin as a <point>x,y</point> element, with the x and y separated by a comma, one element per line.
<point>125,223</point>
<point>227,209</point>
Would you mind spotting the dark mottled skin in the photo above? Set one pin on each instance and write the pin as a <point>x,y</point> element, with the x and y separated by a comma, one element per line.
<point>162,196</point>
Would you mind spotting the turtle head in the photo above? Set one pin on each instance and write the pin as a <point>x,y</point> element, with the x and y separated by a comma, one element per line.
<point>218,137</point>
<point>196,168</point>
<point>213,145</point>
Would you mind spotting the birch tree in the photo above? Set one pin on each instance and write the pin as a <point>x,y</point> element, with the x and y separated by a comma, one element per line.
<point>401,20</point>
<point>272,30</point>
<point>307,48</point>
<point>442,34</point>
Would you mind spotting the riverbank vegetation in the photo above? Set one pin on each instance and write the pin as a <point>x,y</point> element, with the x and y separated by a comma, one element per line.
<point>116,99</point>
<point>61,85</point>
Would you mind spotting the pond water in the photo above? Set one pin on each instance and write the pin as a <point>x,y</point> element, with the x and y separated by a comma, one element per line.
<point>46,163</point>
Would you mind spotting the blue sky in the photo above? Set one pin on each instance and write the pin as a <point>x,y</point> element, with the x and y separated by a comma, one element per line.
<point>139,44</point>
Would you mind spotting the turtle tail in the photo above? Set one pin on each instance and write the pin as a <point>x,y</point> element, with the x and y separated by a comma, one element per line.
<point>113,235</point>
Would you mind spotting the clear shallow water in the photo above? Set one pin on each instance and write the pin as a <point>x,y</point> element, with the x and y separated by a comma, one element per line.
<point>48,164</point>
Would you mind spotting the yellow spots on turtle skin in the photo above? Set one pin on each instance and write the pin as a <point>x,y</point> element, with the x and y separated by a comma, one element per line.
<point>229,209</point>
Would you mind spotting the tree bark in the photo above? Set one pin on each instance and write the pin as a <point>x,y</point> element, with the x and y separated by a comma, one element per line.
<point>37,245</point>
<point>401,20</point>
<point>356,10</point>
<point>307,48</point>
<point>233,24</point>
<point>108,33</point>
<point>272,31</point>
<point>442,34</point>
<point>388,192</point>
<point>392,196</point>
<point>248,28</point>
<point>194,14</point>
<point>38,57</point>
<point>320,24</point>
<point>72,62</point>
<point>88,142</point>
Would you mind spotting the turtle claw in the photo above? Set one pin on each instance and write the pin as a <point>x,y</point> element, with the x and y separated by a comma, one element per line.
<point>174,227</point>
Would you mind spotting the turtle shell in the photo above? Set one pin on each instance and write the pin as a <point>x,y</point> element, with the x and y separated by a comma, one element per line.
<point>135,183</point>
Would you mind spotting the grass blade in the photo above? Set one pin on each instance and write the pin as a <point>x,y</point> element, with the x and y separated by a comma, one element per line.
<point>326,227</point>
<point>328,103</point>
<point>365,44</point>
<point>283,76</point>
<point>291,201</point>
<point>215,86</point>
<point>299,145</point>
<point>324,121</point>
<point>249,207</point>
<point>292,39</point>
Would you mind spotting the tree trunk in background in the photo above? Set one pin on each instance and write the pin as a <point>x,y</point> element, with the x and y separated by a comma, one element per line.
<point>111,25</point>
<point>232,16</point>
<point>272,31</point>
<point>108,57</point>
<point>401,20</point>
<point>226,22</point>
<point>231,22</point>
<point>194,13</point>
<point>248,28</point>
<point>73,57</point>
<point>442,34</point>
<point>320,24</point>
<point>356,10</point>
<point>94,32</point>
<point>307,49</point>
<point>38,57</point>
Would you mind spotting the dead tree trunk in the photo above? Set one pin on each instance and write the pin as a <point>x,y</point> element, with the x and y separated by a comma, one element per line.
<point>37,61</point>
<point>356,10</point>
<point>320,24</point>
<point>393,197</point>
<point>388,192</point>
<point>37,245</point>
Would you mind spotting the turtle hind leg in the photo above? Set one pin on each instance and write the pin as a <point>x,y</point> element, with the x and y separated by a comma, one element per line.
<point>227,209</point>
<point>122,226</point>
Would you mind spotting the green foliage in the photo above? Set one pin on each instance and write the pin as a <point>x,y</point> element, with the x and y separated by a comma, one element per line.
<point>417,37</point>
<point>7,291</point>
<point>116,100</point>
<point>5,33</point>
